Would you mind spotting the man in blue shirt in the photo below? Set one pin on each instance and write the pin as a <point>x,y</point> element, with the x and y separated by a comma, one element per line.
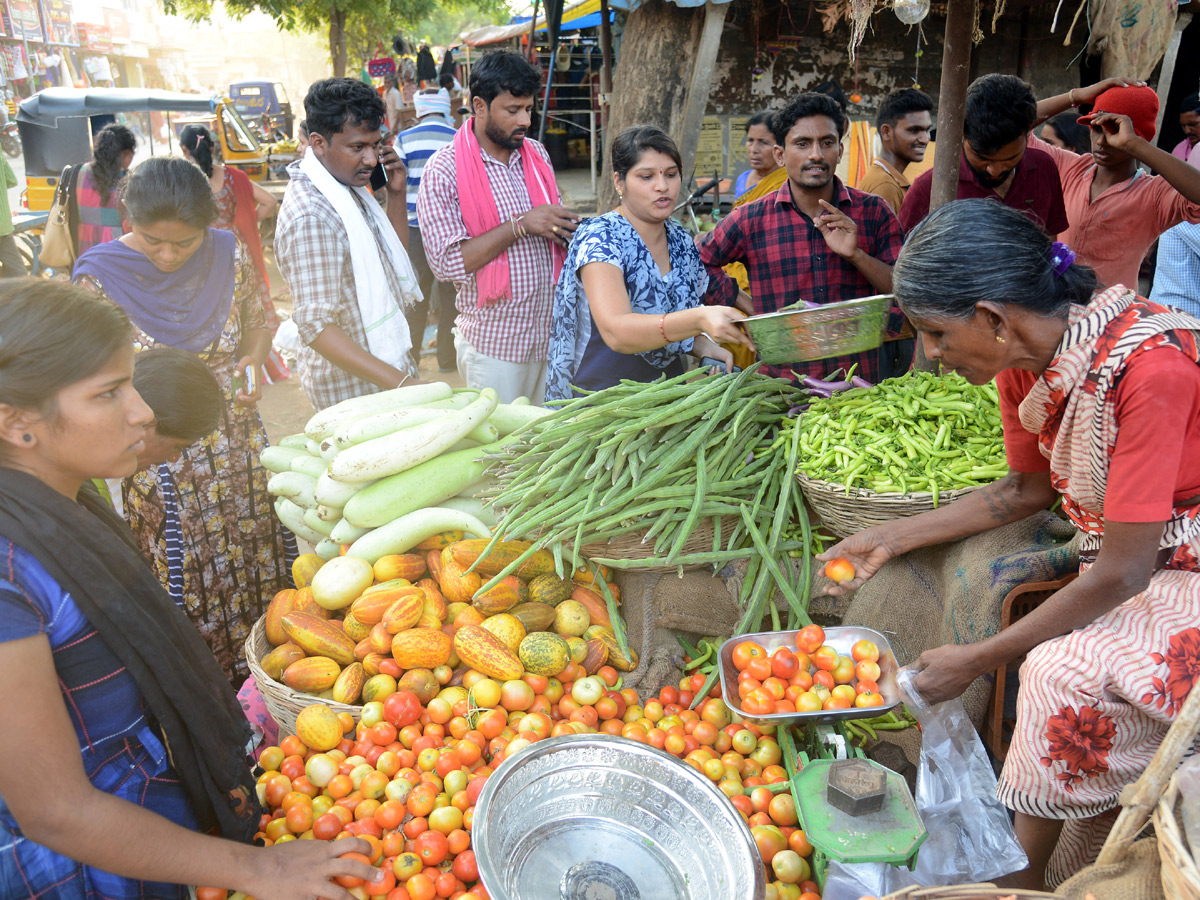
<point>415,146</point>
<point>1177,273</point>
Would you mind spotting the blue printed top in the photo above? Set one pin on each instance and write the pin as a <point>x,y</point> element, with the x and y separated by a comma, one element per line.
<point>122,751</point>
<point>612,239</point>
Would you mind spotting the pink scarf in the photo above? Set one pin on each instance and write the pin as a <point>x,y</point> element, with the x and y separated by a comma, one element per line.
<point>480,214</point>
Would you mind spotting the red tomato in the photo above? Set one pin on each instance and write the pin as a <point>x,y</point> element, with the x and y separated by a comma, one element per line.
<point>784,663</point>
<point>432,847</point>
<point>402,708</point>
<point>464,867</point>
<point>840,570</point>
<point>349,881</point>
<point>211,893</point>
<point>810,638</point>
<point>746,651</point>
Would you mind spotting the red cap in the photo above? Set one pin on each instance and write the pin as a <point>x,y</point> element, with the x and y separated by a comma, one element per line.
<point>1139,103</point>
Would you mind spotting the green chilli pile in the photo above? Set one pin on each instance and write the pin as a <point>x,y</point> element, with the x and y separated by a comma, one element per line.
<point>657,460</point>
<point>918,432</point>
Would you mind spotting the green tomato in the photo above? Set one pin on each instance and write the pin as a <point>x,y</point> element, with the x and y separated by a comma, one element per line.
<point>744,742</point>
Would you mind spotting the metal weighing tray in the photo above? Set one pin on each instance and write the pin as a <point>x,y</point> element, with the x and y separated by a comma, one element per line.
<point>841,638</point>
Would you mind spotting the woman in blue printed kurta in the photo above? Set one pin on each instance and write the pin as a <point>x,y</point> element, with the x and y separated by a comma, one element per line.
<point>627,304</point>
<point>124,747</point>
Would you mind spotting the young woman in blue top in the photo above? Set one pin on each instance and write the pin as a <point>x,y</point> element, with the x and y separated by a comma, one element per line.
<point>124,747</point>
<point>628,302</point>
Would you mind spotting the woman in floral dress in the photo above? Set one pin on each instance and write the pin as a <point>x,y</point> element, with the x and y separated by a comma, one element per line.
<point>189,286</point>
<point>1100,396</point>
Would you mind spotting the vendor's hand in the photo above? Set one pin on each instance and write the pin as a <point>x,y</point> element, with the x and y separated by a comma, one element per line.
<point>945,672</point>
<point>867,551</point>
<point>702,347</point>
<point>397,172</point>
<point>1118,130</point>
<point>718,323</point>
<point>301,870</point>
<point>242,398</point>
<point>838,229</point>
<point>1092,91</point>
<point>551,221</point>
<point>744,303</point>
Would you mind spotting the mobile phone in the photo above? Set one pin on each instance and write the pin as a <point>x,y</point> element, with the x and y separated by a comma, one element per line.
<point>251,380</point>
<point>379,176</point>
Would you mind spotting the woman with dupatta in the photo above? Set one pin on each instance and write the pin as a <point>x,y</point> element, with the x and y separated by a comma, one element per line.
<point>1100,398</point>
<point>186,285</point>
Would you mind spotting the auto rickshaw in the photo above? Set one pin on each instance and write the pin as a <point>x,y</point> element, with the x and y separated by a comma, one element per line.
<point>254,98</point>
<point>57,126</point>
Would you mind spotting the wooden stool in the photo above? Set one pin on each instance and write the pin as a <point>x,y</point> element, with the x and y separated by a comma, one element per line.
<point>1020,602</point>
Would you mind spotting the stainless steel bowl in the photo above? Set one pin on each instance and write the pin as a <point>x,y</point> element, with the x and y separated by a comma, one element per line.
<point>840,639</point>
<point>835,329</point>
<point>580,817</point>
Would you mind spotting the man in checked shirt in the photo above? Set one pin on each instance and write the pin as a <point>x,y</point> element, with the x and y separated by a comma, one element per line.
<point>814,239</point>
<point>493,224</point>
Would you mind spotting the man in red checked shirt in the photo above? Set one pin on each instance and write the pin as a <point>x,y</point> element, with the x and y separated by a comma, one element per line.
<point>814,239</point>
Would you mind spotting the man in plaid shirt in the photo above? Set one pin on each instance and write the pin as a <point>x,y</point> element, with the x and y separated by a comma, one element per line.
<point>312,245</point>
<point>814,239</point>
<point>502,345</point>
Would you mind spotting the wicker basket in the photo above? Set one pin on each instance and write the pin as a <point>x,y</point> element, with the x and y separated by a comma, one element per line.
<point>630,546</point>
<point>845,514</point>
<point>969,892</point>
<point>1180,876</point>
<point>282,702</point>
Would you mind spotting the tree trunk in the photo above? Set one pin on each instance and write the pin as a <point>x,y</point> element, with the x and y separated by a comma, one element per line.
<point>650,82</point>
<point>337,41</point>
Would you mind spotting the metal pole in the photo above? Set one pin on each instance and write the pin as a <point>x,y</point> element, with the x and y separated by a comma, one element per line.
<point>533,34</point>
<point>606,62</point>
<point>952,101</point>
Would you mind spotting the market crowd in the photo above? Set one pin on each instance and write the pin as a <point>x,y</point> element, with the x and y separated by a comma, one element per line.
<point>139,544</point>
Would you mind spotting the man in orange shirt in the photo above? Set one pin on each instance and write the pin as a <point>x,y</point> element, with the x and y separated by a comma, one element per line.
<point>1116,209</point>
<point>903,122</point>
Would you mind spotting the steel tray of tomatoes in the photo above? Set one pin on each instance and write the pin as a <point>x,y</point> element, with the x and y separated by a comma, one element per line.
<point>814,674</point>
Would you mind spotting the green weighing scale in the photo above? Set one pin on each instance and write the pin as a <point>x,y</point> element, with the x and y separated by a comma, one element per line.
<point>852,809</point>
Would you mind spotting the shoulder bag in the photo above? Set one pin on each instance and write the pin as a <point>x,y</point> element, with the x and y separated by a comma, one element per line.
<point>58,240</point>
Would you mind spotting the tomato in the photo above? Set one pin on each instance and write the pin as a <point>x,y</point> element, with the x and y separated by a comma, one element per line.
<point>406,865</point>
<point>843,692</point>
<point>292,746</point>
<point>390,815</point>
<point>299,819</point>
<point>784,663</point>
<point>445,819</point>
<point>326,827</point>
<point>864,649</point>
<point>810,638</point>
<point>432,847</point>
<point>444,884</point>
<point>211,893</point>
<point>776,687</point>
<point>382,733</point>
<point>746,651</point>
<point>825,658</point>
<point>808,702</point>
<point>668,694</point>
<point>421,887</point>
<point>759,668</point>
<point>402,708</point>
<point>770,841</point>
<point>822,679</point>
<point>464,867</point>
<point>759,703</point>
<point>867,670</point>
<point>789,867</point>
<point>270,759</point>
<point>835,703</point>
<point>798,841</point>
<point>381,888</point>
<point>349,881</point>
<point>868,699</point>
<point>782,809</point>
<point>864,686</point>
<point>840,570</point>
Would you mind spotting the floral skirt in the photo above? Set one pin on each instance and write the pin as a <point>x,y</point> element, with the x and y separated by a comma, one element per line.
<point>1094,706</point>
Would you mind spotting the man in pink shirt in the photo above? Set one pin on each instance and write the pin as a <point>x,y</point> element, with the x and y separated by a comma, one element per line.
<point>1116,209</point>
<point>1189,120</point>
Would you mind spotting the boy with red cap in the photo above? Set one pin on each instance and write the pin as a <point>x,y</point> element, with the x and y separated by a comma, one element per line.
<point>1116,209</point>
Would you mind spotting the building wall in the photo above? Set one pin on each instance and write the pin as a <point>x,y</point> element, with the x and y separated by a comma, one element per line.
<point>792,53</point>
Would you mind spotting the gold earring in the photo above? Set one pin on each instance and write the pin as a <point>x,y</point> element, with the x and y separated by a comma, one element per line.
<point>1000,340</point>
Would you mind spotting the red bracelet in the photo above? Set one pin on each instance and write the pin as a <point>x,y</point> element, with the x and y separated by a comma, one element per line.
<point>662,329</point>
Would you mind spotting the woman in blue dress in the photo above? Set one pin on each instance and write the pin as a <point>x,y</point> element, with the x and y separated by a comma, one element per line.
<point>628,302</point>
<point>124,747</point>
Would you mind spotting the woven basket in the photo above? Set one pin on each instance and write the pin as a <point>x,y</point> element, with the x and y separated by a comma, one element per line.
<point>630,546</point>
<point>1180,876</point>
<point>846,514</point>
<point>969,892</point>
<point>282,702</point>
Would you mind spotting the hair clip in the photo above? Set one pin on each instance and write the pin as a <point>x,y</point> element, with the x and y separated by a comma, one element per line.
<point>1061,257</point>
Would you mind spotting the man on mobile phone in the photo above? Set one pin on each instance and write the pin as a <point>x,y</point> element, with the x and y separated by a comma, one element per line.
<point>493,222</point>
<point>343,257</point>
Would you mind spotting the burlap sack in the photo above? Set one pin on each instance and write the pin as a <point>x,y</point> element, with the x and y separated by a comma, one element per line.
<point>952,593</point>
<point>1136,877</point>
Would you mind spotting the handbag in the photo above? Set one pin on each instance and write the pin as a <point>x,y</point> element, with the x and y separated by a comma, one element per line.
<point>58,239</point>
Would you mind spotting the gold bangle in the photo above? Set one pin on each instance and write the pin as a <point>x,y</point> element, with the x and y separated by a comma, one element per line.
<point>1071,98</point>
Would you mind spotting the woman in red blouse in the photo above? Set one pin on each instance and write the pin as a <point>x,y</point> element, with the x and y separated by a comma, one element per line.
<point>1100,395</point>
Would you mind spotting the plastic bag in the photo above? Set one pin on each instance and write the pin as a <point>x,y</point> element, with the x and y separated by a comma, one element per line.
<point>970,836</point>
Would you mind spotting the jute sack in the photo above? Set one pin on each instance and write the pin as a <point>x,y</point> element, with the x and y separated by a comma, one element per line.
<point>952,593</point>
<point>1134,877</point>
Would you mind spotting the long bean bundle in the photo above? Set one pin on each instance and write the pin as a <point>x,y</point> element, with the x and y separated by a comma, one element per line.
<point>918,432</point>
<point>657,460</point>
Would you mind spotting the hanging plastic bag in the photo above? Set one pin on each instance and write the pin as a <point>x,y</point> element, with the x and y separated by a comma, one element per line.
<point>970,838</point>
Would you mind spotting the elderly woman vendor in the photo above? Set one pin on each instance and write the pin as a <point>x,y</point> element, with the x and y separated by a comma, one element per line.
<point>1100,397</point>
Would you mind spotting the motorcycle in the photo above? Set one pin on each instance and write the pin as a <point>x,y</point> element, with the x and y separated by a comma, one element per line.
<point>10,140</point>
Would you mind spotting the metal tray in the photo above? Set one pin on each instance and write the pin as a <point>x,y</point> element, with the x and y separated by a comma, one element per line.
<point>582,817</point>
<point>820,332</point>
<point>841,638</point>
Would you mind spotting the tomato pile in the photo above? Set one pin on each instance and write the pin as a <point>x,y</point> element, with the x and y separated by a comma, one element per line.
<point>406,778</point>
<point>812,677</point>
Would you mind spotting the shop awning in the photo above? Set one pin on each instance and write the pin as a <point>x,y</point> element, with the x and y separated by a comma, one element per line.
<point>585,14</point>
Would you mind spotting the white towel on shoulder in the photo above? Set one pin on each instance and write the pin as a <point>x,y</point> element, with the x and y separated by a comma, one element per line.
<point>382,314</point>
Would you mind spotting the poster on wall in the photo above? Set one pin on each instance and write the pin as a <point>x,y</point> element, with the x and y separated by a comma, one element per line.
<point>25,19</point>
<point>60,22</point>
<point>710,151</point>
<point>95,37</point>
